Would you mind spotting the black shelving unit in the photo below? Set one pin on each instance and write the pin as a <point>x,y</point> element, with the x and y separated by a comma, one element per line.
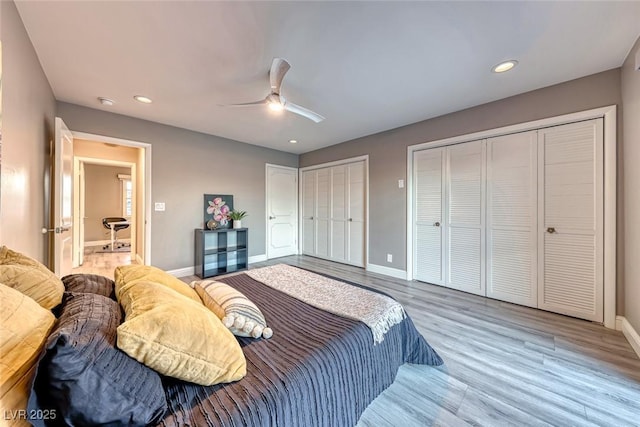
<point>221,251</point>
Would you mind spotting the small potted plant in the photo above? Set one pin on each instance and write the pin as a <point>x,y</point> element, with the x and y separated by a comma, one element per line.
<point>237,216</point>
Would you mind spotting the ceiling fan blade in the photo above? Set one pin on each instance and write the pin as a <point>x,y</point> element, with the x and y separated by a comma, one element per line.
<point>294,108</point>
<point>246,104</point>
<point>279,68</point>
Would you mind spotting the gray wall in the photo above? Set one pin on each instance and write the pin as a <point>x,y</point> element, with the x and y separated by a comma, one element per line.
<point>388,151</point>
<point>186,165</point>
<point>103,198</point>
<point>631,183</point>
<point>28,112</point>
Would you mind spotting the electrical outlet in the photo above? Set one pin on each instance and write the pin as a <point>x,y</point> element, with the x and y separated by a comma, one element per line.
<point>389,258</point>
<point>159,207</point>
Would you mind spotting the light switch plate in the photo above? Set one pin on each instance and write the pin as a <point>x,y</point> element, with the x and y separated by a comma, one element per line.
<point>401,183</point>
<point>159,207</point>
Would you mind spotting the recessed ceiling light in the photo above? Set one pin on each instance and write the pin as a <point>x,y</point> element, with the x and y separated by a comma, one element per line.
<point>504,66</point>
<point>293,141</point>
<point>106,101</point>
<point>143,99</point>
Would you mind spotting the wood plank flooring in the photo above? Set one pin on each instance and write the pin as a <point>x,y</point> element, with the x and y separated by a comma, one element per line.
<point>505,365</point>
<point>102,263</point>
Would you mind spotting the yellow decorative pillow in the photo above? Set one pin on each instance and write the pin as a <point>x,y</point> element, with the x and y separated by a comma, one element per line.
<point>24,327</point>
<point>9,257</point>
<point>126,274</point>
<point>177,336</point>
<point>44,288</point>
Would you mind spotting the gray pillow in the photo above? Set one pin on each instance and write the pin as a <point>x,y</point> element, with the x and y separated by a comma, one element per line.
<point>90,284</point>
<point>86,378</point>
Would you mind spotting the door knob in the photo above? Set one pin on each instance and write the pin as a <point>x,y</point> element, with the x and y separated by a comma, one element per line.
<point>551,230</point>
<point>350,219</point>
<point>437,224</point>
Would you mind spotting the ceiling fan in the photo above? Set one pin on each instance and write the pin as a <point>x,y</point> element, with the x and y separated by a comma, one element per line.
<point>275,100</point>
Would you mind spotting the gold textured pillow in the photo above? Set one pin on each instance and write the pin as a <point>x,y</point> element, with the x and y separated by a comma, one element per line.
<point>126,274</point>
<point>177,336</point>
<point>10,257</point>
<point>44,288</point>
<point>24,327</point>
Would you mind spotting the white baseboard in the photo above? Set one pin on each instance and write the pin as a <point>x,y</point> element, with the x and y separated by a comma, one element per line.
<point>104,242</point>
<point>98,243</point>
<point>629,333</point>
<point>181,272</point>
<point>257,258</point>
<point>387,271</point>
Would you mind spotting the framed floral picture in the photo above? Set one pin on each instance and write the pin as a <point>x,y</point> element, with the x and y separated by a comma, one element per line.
<point>216,211</point>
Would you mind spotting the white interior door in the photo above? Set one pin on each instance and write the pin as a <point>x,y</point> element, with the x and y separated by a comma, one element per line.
<point>63,200</point>
<point>570,203</point>
<point>465,219</point>
<point>323,212</point>
<point>81,214</point>
<point>338,220</point>
<point>356,213</point>
<point>428,170</point>
<point>282,211</point>
<point>512,201</point>
<point>308,212</point>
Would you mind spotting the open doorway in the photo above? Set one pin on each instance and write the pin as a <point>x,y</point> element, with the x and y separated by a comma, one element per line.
<point>111,178</point>
<point>105,193</point>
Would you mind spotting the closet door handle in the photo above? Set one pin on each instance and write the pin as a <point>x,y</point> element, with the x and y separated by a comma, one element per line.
<point>551,230</point>
<point>436,224</point>
<point>350,219</point>
<point>272,217</point>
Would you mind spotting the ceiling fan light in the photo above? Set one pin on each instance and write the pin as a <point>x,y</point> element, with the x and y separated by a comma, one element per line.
<point>276,106</point>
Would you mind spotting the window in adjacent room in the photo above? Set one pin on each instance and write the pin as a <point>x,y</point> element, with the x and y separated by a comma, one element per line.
<point>127,191</point>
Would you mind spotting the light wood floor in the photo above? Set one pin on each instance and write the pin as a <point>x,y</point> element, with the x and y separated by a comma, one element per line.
<point>102,263</point>
<point>504,364</point>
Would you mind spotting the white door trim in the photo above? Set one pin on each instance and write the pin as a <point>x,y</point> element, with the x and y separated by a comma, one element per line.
<point>266,207</point>
<point>609,114</point>
<point>364,158</point>
<point>147,178</point>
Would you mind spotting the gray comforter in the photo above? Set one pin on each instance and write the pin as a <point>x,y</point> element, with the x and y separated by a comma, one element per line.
<point>318,369</point>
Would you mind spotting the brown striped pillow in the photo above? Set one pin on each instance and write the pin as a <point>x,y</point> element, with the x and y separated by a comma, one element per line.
<point>241,316</point>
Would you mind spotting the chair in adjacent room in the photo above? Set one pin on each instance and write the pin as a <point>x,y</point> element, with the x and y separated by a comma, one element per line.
<point>107,223</point>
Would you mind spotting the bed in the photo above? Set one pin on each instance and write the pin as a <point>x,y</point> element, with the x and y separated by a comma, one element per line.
<point>318,369</point>
<point>304,375</point>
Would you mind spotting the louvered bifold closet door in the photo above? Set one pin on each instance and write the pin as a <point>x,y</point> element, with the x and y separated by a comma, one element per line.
<point>356,213</point>
<point>512,208</point>
<point>465,219</point>
<point>338,221</point>
<point>571,227</point>
<point>428,172</point>
<point>323,211</point>
<point>308,212</point>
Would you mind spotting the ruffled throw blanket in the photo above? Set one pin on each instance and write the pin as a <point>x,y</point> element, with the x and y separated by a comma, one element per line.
<point>379,312</point>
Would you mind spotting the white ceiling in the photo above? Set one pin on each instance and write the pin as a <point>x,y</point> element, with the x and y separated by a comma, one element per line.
<point>365,66</point>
